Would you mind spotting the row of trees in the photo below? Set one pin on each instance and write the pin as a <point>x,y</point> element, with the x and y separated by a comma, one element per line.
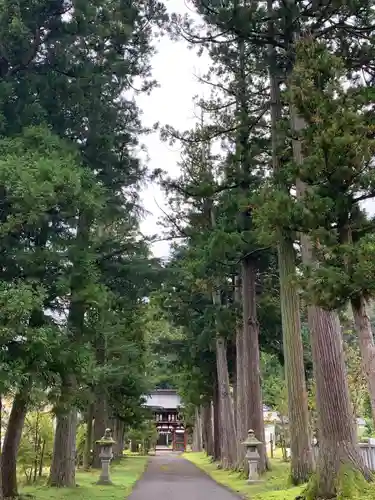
<point>74,266</point>
<point>268,211</point>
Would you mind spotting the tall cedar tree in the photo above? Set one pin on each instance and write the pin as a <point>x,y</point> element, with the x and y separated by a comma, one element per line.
<point>230,240</point>
<point>289,20</point>
<point>43,189</point>
<point>232,20</point>
<point>58,62</point>
<point>195,189</point>
<point>335,173</point>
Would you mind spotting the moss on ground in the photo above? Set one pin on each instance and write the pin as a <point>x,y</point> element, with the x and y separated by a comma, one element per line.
<point>275,484</point>
<point>124,476</point>
<point>351,485</point>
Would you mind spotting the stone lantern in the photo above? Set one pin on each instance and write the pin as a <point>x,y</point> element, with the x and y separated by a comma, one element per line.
<point>252,456</point>
<point>106,455</point>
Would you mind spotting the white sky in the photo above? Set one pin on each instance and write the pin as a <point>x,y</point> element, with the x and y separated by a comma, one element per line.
<point>174,67</point>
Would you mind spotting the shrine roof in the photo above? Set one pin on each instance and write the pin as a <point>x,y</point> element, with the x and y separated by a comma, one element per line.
<point>167,399</point>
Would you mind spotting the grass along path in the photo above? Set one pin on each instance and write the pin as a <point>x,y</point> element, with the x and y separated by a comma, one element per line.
<point>124,476</point>
<point>273,487</point>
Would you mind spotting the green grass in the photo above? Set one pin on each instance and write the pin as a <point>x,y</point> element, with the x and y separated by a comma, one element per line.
<point>124,476</point>
<point>275,483</point>
<point>273,487</point>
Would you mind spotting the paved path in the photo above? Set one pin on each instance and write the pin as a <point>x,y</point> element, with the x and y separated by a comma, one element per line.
<point>170,477</point>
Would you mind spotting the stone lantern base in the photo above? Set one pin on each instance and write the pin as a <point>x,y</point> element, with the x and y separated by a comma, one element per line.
<point>253,472</point>
<point>253,457</point>
<point>105,478</point>
<point>105,456</point>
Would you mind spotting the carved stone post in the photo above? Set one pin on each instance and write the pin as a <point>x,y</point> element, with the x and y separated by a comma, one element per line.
<point>106,456</point>
<point>252,455</point>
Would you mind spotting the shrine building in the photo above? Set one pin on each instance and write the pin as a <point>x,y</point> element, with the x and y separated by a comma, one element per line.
<point>165,405</point>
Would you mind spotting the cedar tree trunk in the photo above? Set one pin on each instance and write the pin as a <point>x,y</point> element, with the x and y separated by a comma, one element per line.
<point>100,425</point>
<point>302,461</point>
<point>12,441</point>
<point>229,448</point>
<point>337,433</point>
<point>366,344</point>
<point>253,393</point>
<point>89,437</point>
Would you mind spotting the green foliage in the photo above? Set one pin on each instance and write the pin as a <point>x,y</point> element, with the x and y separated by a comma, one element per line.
<point>337,170</point>
<point>124,476</point>
<point>189,347</point>
<point>80,443</point>
<point>356,377</point>
<point>36,445</point>
<point>211,212</point>
<point>273,383</point>
<point>145,434</point>
<point>75,268</point>
<point>367,412</point>
<point>43,189</point>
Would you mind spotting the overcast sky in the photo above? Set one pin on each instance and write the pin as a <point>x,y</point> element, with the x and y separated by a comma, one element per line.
<point>174,67</point>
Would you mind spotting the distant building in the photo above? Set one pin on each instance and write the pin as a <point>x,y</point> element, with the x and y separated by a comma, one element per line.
<point>361,426</point>
<point>165,405</point>
<point>271,420</point>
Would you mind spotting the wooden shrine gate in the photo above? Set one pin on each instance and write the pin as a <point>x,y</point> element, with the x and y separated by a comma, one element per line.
<point>165,405</point>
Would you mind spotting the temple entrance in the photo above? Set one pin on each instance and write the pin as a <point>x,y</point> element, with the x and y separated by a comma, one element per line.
<point>179,443</point>
<point>164,439</point>
<point>165,405</point>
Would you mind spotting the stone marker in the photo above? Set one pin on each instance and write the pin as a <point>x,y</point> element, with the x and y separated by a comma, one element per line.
<point>106,456</point>
<point>252,455</point>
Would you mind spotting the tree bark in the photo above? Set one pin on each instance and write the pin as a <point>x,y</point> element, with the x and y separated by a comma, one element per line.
<point>121,434</point>
<point>37,444</point>
<point>41,461</point>
<point>234,396</point>
<point>100,425</point>
<point>366,344</point>
<point>207,429</point>
<point>253,393</point>
<point>248,403</point>
<point>101,417</point>
<point>362,325</point>
<point>197,431</point>
<point>302,460</point>
<point>216,422</point>
<point>229,449</point>
<point>241,427</point>
<point>89,437</point>
<point>118,436</point>
<point>337,434</point>
<point>12,441</point>
<point>134,446</point>
<point>63,465</point>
